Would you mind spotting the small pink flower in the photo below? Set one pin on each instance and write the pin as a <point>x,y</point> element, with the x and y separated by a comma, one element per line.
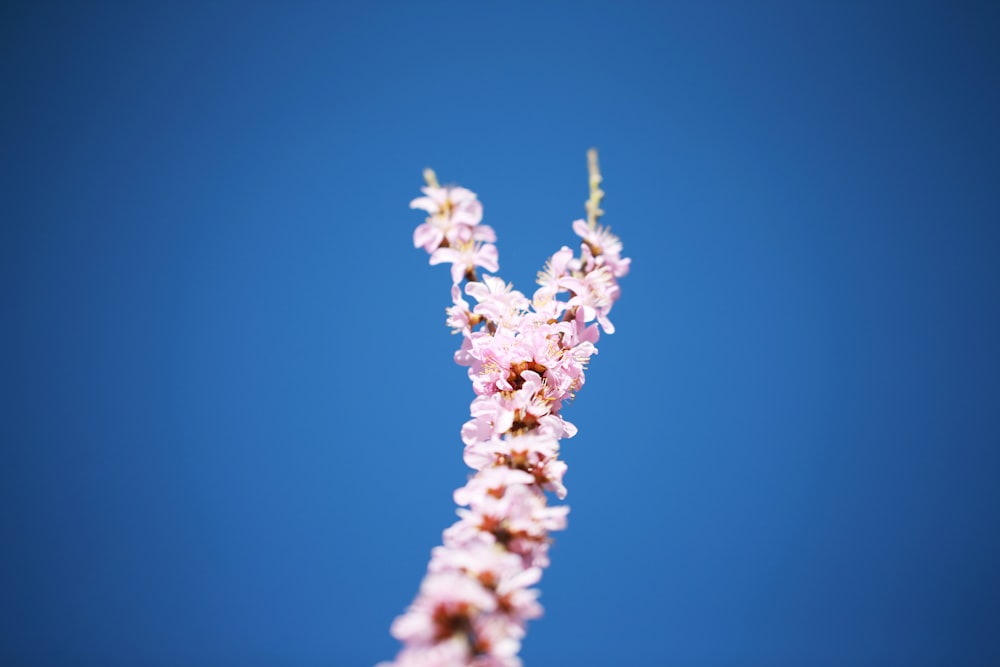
<point>556,267</point>
<point>466,257</point>
<point>489,358</point>
<point>459,315</point>
<point>492,415</point>
<point>454,218</point>
<point>498,302</point>
<point>603,246</point>
<point>594,293</point>
<point>491,482</point>
<point>497,640</point>
<point>446,602</point>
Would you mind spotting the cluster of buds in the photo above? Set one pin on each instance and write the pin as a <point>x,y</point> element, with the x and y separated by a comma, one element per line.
<point>525,359</point>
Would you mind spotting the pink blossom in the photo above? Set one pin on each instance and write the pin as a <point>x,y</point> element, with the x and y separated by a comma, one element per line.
<point>556,267</point>
<point>525,359</point>
<point>454,218</point>
<point>443,608</point>
<point>465,257</point>
<point>594,293</point>
<point>459,316</point>
<point>492,482</point>
<point>603,246</point>
<point>498,302</point>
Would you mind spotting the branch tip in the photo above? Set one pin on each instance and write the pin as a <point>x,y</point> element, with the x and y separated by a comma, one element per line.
<point>431,178</point>
<point>593,205</point>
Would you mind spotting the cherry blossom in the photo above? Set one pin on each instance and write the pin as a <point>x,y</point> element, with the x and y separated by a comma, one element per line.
<point>525,359</point>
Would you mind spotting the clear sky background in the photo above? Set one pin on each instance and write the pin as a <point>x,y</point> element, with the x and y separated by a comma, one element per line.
<point>229,414</point>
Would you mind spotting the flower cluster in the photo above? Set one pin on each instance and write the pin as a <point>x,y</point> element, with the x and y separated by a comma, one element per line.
<point>525,358</point>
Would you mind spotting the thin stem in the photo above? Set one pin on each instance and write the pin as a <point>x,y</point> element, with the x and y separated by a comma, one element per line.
<point>593,204</point>
<point>431,178</point>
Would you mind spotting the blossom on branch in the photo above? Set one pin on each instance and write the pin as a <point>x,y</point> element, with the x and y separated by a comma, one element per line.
<point>526,359</point>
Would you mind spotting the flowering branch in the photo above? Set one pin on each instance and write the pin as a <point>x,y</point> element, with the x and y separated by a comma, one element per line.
<point>525,359</point>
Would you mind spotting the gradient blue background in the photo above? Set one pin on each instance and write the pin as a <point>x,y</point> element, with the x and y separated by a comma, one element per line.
<point>229,416</point>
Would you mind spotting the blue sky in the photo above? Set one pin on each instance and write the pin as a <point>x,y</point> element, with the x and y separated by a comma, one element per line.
<point>231,421</point>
